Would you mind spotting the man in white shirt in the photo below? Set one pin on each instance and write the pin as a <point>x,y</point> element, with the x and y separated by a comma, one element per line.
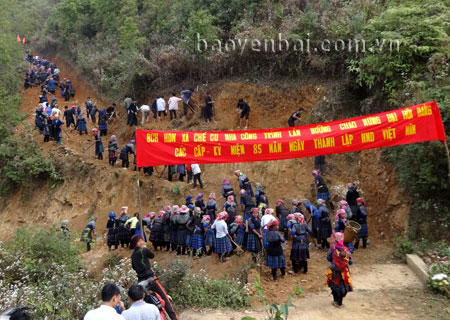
<point>56,111</point>
<point>140,310</point>
<point>173,106</point>
<point>110,298</point>
<point>197,172</point>
<point>161,107</point>
<point>145,109</point>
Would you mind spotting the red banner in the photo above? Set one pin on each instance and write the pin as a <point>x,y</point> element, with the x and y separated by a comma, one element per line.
<point>422,122</point>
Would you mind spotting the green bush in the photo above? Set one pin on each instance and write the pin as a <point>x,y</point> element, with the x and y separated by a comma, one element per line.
<point>197,290</point>
<point>439,279</point>
<point>403,247</point>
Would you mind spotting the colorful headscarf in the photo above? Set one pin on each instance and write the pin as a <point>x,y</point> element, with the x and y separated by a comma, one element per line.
<point>161,214</point>
<point>112,216</point>
<point>222,215</point>
<point>113,138</point>
<point>212,195</point>
<point>230,199</point>
<point>168,208</point>
<point>242,192</point>
<point>176,209</point>
<point>279,202</point>
<point>339,212</point>
<point>199,196</point>
<point>272,224</point>
<point>315,173</point>
<point>188,198</point>
<point>226,182</point>
<point>268,211</point>
<point>343,203</point>
<point>184,209</point>
<point>320,202</point>
<point>295,202</point>
<point>337,240</point>
<point>361,200</point>
<point>206,218</point>
<point>124,210</point>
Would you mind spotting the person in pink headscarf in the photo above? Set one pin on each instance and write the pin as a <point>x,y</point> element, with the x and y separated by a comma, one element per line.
<point>223,244</point>
<point>338,274</point>
<point>340,221</point>
<point>211,206</point>
<point>300,250</point>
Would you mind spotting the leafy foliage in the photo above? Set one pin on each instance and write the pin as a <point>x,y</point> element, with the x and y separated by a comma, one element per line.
<point>273,311</point>
<point>197,290</point>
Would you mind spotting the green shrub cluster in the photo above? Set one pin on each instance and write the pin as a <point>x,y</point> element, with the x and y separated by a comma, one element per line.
<point>197,290</point>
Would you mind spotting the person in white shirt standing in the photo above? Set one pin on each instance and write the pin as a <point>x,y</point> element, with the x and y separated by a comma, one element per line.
<point>111,299</point>
<point>145,109</point>
<point>161,107</point>
<point>197,172</point>
<point>223,244</point>
<point>173,106</point>
<point>140,310</point>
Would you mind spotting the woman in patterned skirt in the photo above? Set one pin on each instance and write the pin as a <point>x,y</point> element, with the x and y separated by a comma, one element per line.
<point>223,244</point>
<point>275,256</point>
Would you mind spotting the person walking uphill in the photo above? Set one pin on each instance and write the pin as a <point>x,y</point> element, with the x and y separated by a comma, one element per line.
<point>98,144</point>
<point>141,264</point>
<point>322,189</point>
<point>187,103</point>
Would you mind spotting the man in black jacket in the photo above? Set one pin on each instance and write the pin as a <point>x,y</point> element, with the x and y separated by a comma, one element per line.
<point>141,264</point>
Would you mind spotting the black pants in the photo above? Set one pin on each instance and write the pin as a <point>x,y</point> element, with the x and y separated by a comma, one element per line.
<point>88,244</point>
<point>189,176</point>
<point>325,243</point>
<point>274,273</point>
<point>173,114</point>
<point>156,286</point>
<point>298,264</point>
<point>181,177</point>
<point>125,163</point>
<point>337,298</point>
<point>104,132</point>
<point>160,112</point>
<point>197,177</point>
<point>186,106</point>
<point>364,241</point>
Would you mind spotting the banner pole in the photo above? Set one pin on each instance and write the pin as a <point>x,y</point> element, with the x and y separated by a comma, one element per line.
<point>139,191</point>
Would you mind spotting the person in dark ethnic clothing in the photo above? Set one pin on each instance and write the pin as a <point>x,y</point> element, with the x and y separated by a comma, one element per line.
<point>275,256</point>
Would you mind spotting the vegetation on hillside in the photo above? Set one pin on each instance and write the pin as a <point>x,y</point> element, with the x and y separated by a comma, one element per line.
<point>133,46</point>
<point>20,159</point>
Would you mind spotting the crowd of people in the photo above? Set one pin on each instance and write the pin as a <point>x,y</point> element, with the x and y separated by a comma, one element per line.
<point>201,226</point>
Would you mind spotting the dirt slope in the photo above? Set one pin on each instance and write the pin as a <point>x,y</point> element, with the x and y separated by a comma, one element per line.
<point>93,187</point>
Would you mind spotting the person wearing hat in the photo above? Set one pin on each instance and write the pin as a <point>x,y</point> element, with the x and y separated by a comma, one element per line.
<point>112,150</point>
<point>124,233</point>
<point>211,206</point>
<point>210,237</point>
<point>244,109</point>
<point>88,233</point>
<point>124,154</point>
<point>340,221</point>
<point>98,144</point>
<point>227,189</point>
<point>194,227</point>
<point>141,264</point>
<point>300,251</point>
<point>266,219</point>
<point>351,196</point>
<point>361,218</point>
<point>231,208</point>
<point>275,256</point>
<point>296,115</point>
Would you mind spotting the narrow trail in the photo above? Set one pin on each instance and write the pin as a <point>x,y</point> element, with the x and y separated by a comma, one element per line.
<point>96,188</point>
<point>381,291</point>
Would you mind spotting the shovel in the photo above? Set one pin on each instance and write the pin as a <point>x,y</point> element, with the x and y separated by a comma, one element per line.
<point>87,148</point>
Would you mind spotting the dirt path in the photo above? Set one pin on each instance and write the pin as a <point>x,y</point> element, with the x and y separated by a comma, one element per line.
<point>382,291</point>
